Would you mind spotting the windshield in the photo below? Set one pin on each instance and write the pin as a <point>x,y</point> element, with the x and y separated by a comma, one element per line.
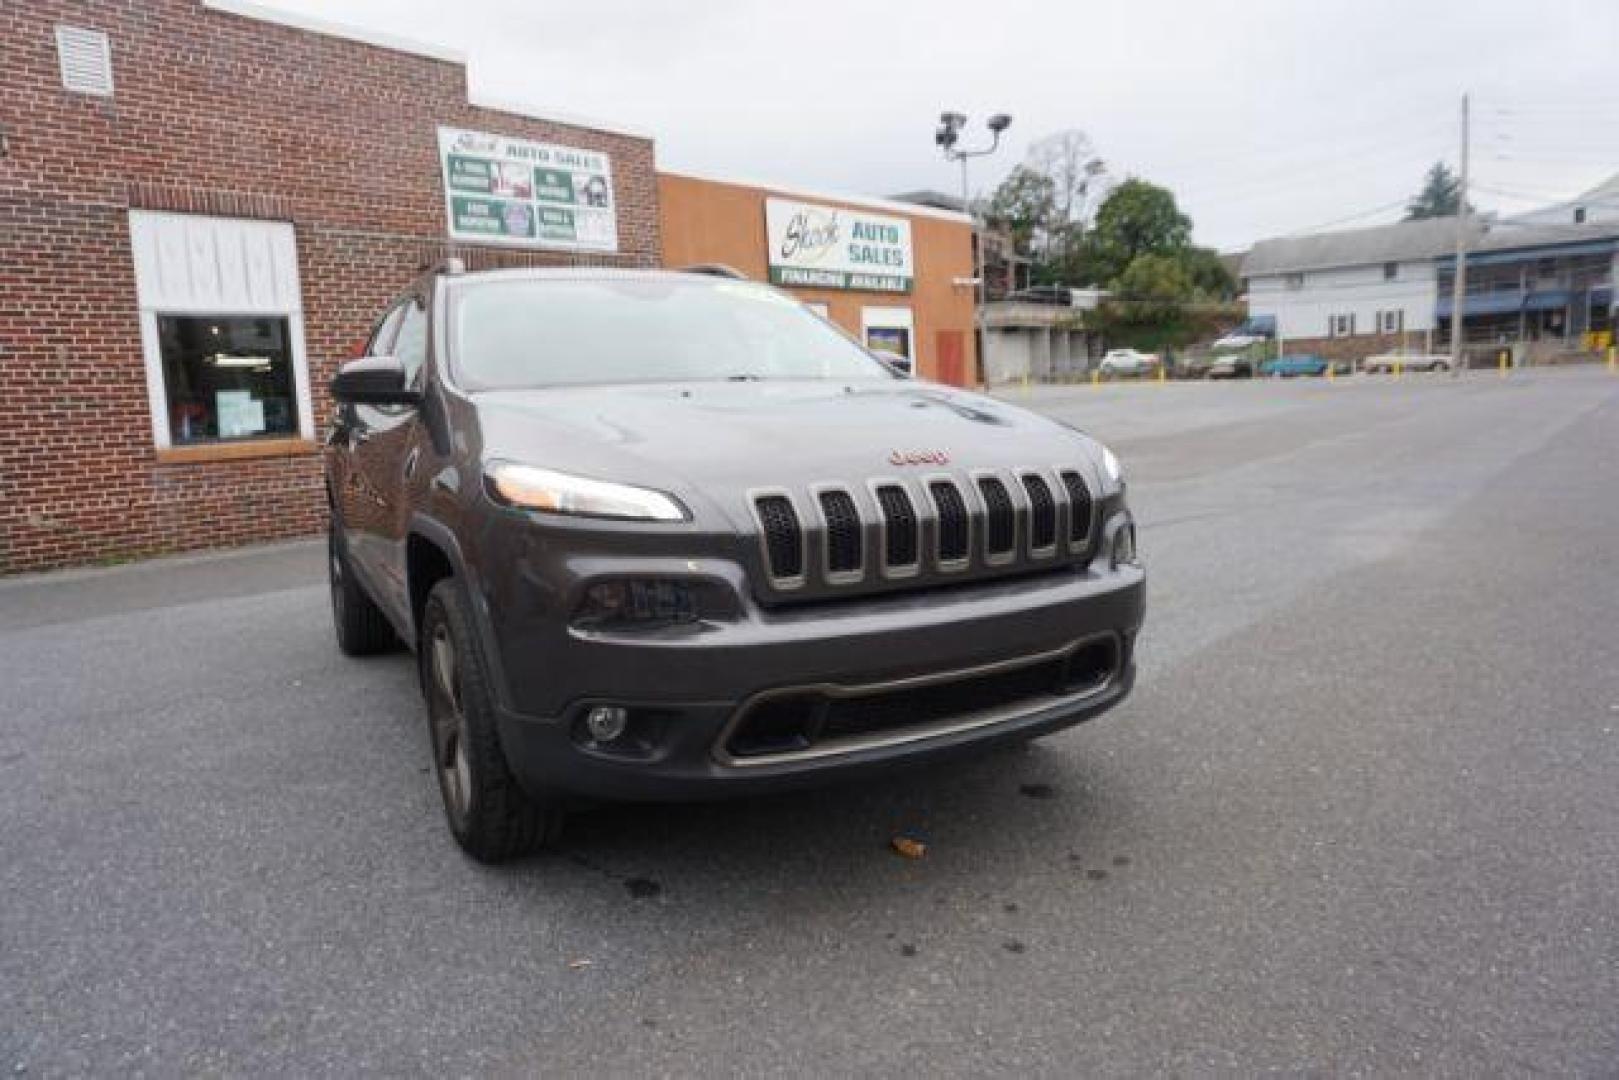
<point>538,333</point>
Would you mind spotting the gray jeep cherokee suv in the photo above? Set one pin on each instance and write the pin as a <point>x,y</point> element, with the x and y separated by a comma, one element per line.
<point>671,535</point>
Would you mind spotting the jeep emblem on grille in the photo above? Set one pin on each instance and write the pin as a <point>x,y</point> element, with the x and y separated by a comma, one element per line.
<point>919,457</point>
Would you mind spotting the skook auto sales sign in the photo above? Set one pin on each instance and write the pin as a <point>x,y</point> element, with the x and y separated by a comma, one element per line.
<point>832,247</point>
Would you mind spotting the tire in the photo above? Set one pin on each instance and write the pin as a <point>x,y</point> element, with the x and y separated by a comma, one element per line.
<point>362,628</point>
<point>489,814</point>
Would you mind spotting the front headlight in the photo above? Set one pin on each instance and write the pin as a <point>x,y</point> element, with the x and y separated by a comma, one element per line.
<point>1110,466</point>
<point>534,488</point>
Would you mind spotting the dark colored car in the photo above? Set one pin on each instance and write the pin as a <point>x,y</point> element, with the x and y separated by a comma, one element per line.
<point>1286,367</point>
<point>660,536</point>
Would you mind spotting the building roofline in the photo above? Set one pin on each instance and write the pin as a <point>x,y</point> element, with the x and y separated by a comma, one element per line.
<point>871,202</point>
<point>251,9</point>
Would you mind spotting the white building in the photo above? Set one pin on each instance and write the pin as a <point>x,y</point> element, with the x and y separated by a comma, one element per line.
<point>1368,290</point>
<point>1344,284</point>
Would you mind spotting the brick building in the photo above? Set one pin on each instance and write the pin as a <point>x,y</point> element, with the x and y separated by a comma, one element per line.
<point>913,296</point>
<point>204,204</point>
<point>201,211</point>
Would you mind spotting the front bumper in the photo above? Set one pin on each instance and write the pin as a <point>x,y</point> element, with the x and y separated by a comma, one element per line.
<point>692,685</point>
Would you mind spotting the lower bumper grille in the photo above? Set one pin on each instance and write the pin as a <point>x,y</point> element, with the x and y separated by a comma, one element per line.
<point>817,721</point>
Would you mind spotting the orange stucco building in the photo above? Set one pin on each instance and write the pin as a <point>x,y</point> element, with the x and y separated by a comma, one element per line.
<point>895,275</point>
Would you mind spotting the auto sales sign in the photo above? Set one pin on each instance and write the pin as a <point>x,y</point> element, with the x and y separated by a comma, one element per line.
<point>832,247</point>
<point>519,193</point>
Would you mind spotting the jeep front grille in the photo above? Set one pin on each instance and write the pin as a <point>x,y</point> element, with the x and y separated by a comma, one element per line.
<point>783,537</point>
<point>1042,513</point>
<point>954,524</point>
<point>901,527</point>
<point>1000,518</point>
<point>1081,508</point>
<point>837,535</point>
<point>843,541</point>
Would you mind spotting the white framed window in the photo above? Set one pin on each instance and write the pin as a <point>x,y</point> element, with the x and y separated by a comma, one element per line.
<point>890,329</point>
<point>222,329</point>
<point>1392,322</point>
<point>1293,281</point>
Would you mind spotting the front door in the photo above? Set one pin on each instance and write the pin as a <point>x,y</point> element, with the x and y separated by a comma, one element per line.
<point>381,438</point>
<point>951,358</point>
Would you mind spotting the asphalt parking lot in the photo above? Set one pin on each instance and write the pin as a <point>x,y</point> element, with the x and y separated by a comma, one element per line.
<point>1361,815</point>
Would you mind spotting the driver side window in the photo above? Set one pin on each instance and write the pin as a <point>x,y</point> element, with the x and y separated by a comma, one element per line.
<point>384,335</point>
<point>411,344</point>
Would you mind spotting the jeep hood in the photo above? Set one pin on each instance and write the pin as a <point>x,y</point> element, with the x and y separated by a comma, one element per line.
<point>721,440</point>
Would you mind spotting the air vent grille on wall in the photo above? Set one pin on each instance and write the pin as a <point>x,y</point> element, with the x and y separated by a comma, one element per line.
<point>86,60</point>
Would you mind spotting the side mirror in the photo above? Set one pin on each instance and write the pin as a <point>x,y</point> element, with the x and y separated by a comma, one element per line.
<point>373,380</point>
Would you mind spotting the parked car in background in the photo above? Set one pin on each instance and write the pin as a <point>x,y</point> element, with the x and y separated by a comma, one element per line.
<point>1129,362</point>
<point>1387,362</point>
<point>1230,366</point>
<point>1286,367</point>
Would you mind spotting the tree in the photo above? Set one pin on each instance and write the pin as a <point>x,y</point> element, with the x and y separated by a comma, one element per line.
<point>1022,207</point>
<point>1209,277</point>
<point>1069,160</point>
<point>1137,218</point>
<point>1152,278</point>
<point>1441,195</point>
<point>1045,201</point>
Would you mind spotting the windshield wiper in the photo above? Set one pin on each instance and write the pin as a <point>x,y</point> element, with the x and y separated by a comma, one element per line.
<point>744,378</point>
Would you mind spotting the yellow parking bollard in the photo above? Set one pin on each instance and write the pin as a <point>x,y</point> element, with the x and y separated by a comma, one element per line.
<point>1505,356</point>
<point>1332,371</point>
<point>1399,368</point>
<point>1613,357</point>
<point>1163,375</point>
<point>1096,378</point>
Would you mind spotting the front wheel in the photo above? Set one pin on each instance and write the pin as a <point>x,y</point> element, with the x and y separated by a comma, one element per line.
<point>489,815</point>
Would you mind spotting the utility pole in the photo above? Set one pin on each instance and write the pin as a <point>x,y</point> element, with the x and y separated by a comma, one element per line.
<point>1458,301</point>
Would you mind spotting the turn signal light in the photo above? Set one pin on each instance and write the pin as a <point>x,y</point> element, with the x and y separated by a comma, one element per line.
<point>1124,545</point>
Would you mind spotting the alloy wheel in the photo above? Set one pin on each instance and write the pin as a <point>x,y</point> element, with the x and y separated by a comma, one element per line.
<point>447,716</point>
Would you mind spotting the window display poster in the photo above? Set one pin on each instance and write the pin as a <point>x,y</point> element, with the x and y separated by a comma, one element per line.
<point>238,414</point>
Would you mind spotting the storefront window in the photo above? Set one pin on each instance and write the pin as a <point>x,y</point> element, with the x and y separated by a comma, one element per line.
<point>892,342</point>
<point>227,377</point>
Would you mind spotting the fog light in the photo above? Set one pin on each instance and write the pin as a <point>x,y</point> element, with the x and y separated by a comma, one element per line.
<point>644,604</point>
<point>606,722</point>
<point>1124,545</point>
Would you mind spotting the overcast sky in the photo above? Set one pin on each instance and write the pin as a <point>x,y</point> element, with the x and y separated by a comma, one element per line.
<point>1265,117</point>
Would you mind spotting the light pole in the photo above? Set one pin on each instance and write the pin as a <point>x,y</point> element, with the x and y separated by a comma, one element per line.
<point>948,138</point>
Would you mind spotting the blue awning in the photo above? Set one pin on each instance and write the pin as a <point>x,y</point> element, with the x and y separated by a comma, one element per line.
<point>1530,254</point>
<point>1550,300</point>
<point>1489,303</point>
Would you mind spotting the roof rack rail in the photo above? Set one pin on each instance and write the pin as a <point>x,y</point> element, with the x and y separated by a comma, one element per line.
<point>719,270</point>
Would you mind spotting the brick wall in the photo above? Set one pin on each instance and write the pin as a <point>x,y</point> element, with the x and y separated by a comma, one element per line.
<point>218,114</point>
